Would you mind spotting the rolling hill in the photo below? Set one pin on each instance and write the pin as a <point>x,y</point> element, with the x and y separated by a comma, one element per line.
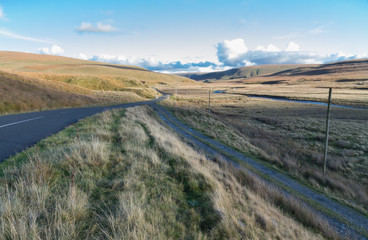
<point>236,73</point>
<point>352,71</point>
<point>34,82</point>
<point>349,79</point>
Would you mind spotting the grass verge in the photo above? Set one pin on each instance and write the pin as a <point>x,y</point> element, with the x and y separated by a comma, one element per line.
<point>123,175</point>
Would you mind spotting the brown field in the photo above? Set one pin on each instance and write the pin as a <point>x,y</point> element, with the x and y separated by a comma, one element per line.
<point>288,135</point>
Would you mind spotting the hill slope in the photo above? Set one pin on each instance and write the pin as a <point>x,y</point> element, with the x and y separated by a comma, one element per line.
<point>352,67</point>
<point>344,71</point>
<point>236,73</point>
<point>45,65</point>
<point>34,81</point>
<point>18,94</point>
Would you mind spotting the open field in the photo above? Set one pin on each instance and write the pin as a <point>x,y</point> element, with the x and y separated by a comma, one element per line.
<point>288,136</point>
<point>308,82</point>
<point>32,82</point>
<point>123,175</point>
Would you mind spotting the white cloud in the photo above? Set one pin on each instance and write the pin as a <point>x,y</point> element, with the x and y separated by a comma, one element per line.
<point>82,56</point>
<point>87,27</point>
<point>272,48</point>
<point>234,55</point>
<point>153,64</point>
<point>2,15</point>
<point>232,52</point>
<point>20,37</point>
<point>292,47</point>
<point>54,50</point>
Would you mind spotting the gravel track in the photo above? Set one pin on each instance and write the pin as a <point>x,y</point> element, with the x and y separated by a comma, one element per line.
<point>357,223</point>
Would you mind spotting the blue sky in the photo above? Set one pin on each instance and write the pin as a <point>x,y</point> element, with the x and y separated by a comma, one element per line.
<point>188,35</point>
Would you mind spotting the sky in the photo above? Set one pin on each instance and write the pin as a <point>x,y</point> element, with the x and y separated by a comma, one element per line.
<point>188,35</point>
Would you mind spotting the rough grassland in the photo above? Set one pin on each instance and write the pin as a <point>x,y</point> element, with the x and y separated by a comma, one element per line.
<point>30,82</point>
<point>22,94</point>
<point>290,136</point>
<point>36,64</point>
<point>122,175</point>
<point>17,94</point>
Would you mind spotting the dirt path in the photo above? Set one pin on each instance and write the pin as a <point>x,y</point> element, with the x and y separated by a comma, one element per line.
<point>346,220</point>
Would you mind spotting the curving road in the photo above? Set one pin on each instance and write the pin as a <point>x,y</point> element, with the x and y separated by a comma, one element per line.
<point>20,131</point>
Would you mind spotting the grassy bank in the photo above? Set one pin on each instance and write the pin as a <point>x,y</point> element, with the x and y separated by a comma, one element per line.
<point>23,94</point>
<point>32,82</point>
<point>291,138</point>
<point>122,175</point>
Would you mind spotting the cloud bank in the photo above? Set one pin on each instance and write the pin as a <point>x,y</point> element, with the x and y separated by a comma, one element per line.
<point>234,53</point>
<point>230,54</point>
<point>54,50</point>
<point>86,27</point>
<point>153,64</point>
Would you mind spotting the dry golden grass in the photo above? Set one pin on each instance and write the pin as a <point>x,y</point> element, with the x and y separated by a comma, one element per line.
<point>62,68</point>
<point>21,94</point>
<point>32,82</point>
<point>289,136</point>
<point>307,82</point>
<point>126,176</point>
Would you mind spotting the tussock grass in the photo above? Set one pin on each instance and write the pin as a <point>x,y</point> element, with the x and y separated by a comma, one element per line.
<point>21,94</point>
<point>17,94</point>
<point>291,205</point>
<point>123,175</point>
<point>289,137</point>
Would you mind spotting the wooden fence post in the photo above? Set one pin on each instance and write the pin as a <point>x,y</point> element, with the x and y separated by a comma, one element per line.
<point>327,130</point>
<point>209,101</point>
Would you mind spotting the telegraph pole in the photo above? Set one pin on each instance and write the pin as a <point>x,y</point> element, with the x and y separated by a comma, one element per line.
<point>327,129</point>
<point>209,101</point>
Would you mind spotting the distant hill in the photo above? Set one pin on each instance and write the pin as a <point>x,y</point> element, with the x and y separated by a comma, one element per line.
<point>353,70</point>
<point>236,73</point>
<point>353,67</point>
<point>34,81</point>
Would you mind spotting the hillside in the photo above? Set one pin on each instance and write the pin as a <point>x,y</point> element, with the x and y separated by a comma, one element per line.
<point>354,67</point>
<point>35,82</point>
<point>303,82</point>
<point>354,72</point>
<point>346,72</point>
<point>236,73</point>
<point>111,75</point>
<point>19,94</point>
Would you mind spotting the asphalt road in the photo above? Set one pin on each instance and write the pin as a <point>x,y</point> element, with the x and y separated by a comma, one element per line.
<point>20,131</point>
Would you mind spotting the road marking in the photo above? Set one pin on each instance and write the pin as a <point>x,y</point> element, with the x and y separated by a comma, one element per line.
<point>27,120</point>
